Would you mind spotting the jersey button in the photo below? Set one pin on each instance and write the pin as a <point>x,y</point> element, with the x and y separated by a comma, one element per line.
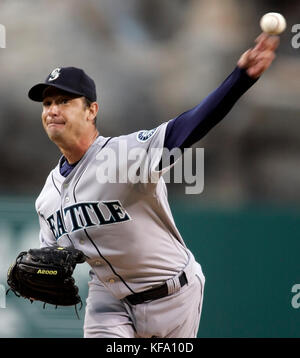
<point>111,280</point>
<point>81,241</point>
<point>67,199</point>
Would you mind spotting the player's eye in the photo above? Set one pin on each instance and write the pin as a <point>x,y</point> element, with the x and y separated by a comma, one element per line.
<point>65,100</point>
<point>46,103</point>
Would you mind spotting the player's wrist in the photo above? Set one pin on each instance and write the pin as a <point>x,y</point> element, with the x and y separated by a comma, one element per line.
<point>245,76</point>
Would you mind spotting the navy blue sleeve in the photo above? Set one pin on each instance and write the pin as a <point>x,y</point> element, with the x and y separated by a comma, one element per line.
<point>188,128</point>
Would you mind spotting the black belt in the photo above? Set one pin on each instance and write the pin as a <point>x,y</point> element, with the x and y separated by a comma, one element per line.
<point>153,293</point>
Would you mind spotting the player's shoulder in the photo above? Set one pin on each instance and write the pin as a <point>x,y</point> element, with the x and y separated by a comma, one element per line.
<point>141,137</point>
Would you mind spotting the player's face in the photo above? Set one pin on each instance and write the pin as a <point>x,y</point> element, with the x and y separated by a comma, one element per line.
<point>65,117</point>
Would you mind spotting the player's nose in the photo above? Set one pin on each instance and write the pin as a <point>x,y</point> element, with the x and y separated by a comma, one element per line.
<point>53,109</point>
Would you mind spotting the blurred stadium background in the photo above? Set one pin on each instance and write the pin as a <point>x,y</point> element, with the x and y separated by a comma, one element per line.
<point>152,60</point>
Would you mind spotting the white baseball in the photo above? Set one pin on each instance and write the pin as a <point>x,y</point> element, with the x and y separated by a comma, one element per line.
<point>273,23</point>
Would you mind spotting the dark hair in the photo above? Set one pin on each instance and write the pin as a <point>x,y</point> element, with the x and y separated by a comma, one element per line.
<point>87,104</point>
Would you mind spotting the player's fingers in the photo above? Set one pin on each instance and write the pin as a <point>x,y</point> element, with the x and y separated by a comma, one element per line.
<point>266,61</point>
<point>252,55</point>
<point>273,43</point>
<point>261,66</point>
<point>258,59</point>
<point>250,58</point>
<point>265,41</point>
<point>261,37</point>
<point>261,42</point>
<point>265,55</point>
<point>244,59</point>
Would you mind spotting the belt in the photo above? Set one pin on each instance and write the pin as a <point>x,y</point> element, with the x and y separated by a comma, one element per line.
<point>153,293</point>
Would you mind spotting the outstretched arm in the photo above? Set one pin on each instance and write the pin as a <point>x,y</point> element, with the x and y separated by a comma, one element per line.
<point>191,126</point>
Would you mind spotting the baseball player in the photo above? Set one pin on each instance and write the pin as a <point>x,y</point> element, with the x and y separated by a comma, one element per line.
<point>144,281</point>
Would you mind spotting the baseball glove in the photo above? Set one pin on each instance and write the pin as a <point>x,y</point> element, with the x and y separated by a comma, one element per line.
<point>46,275</point>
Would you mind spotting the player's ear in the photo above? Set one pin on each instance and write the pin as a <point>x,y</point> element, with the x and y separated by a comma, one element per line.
<point>93,110</point>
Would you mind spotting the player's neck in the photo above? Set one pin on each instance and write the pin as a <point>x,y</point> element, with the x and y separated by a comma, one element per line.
<point>73,152</point>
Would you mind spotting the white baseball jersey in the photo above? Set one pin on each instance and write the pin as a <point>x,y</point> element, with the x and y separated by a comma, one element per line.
<point>125,227</point>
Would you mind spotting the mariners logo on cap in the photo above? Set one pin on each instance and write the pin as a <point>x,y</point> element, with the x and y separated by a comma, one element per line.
<point>54,74</point>
<point>143,136</point>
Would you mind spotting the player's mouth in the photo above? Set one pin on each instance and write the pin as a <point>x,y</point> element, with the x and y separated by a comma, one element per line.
<point>55,123</point>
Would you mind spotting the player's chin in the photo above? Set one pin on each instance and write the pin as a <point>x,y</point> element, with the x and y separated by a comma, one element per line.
<point>55,131</point>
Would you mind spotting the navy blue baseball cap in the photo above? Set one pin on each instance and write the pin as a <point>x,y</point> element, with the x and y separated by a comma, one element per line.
<point>70,79</point>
